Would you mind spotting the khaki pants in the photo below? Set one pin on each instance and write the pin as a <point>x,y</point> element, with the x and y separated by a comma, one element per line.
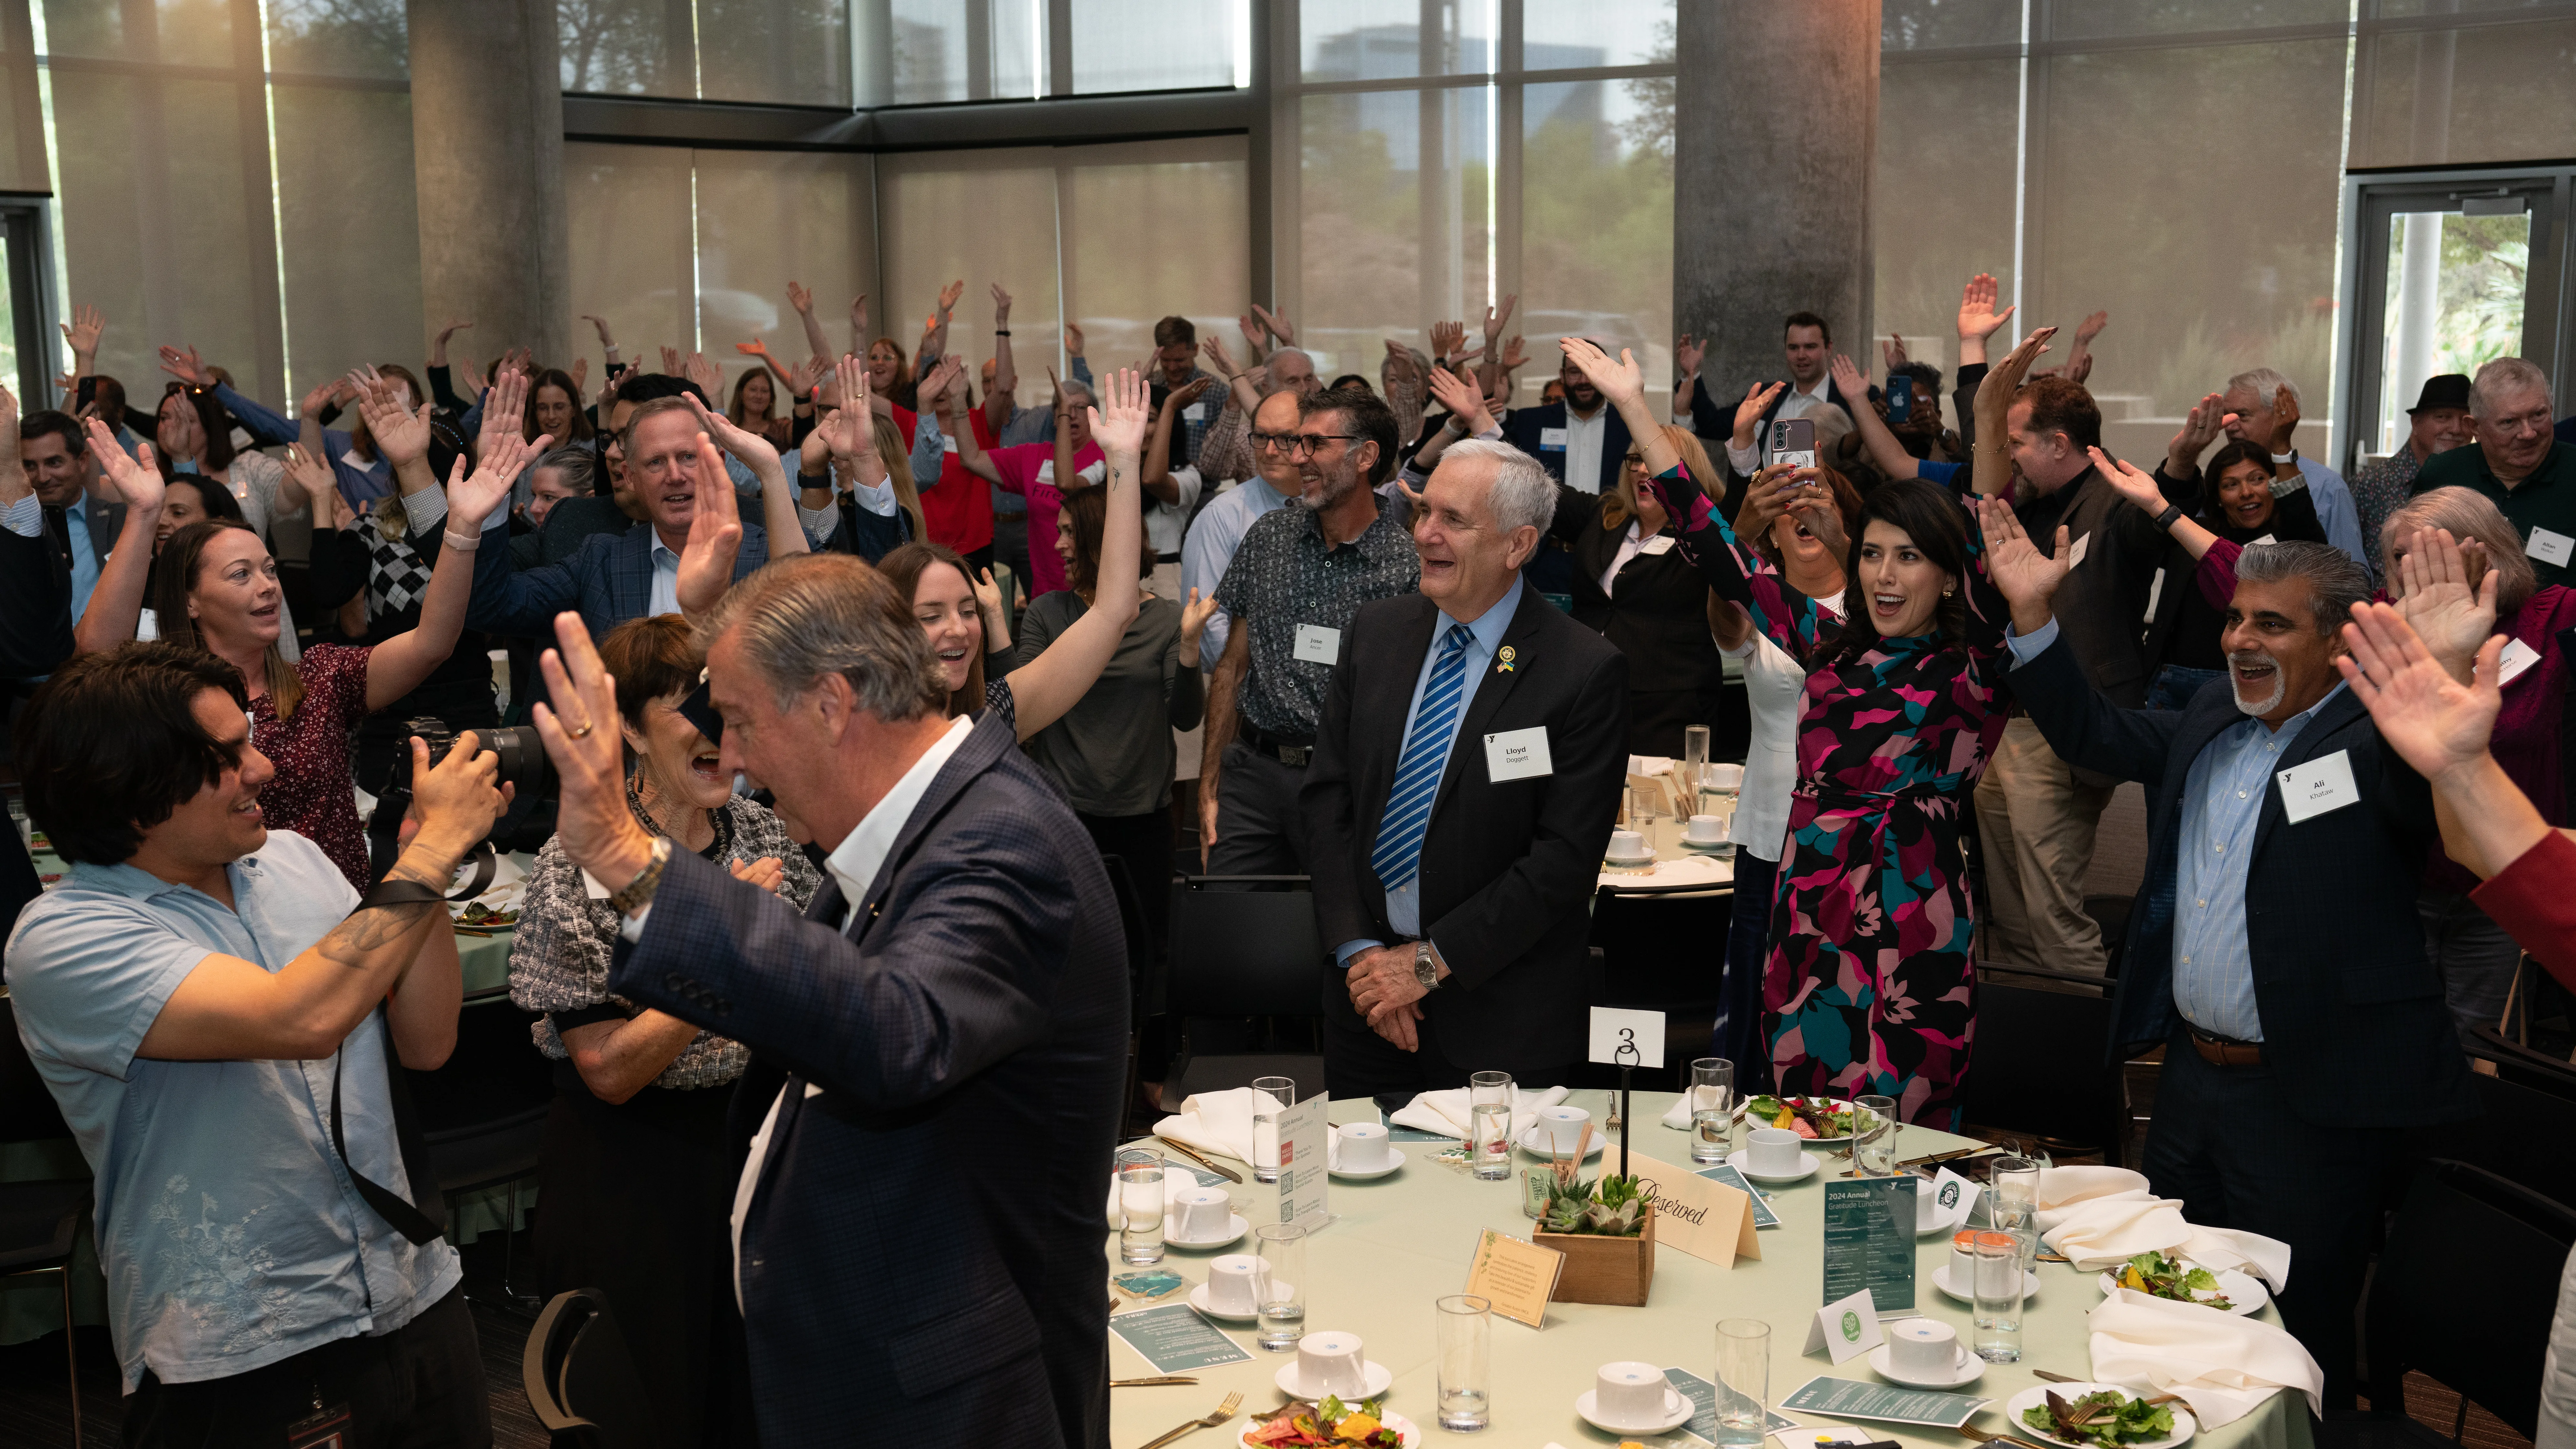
<point>2036,823</point>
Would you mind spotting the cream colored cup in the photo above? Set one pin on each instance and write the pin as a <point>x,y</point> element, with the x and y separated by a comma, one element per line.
<point>1629,1392</point>
<point>1200,1214</point>
<point>1363,1146</point>
<point>1773,1151</point>
<point>1230,1284</point>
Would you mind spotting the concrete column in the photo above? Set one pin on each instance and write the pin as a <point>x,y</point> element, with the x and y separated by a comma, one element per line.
<point>487,144</point>
<point>1775,145</point>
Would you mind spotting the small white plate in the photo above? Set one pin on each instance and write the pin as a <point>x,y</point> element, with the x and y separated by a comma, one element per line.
<point>1631,862</point>
<point>1742,1162</point>
<point>1966,1370</point>
<point>1838,1102</point>
<point>2184,1424</point>
<point>1199,1301</point>
<point>1677,1412</point>
<point>1534,1142</point>
<point>1396,1156</point>
<point>1720,847</point>
<point>2243,1290</point>
<point>1235,1228</point>
<point>1405,1432</point>
<point>1380,1378</point>
<point>2029,1289</point>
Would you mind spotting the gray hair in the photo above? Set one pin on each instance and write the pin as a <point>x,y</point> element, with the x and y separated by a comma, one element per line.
<point>1077,390</point>
<point>813,614</point>
<point>1522,495</point>
<point>2498,380</point>
<point>2264,383</point>
<point>2335,582</point>
<point>579,466</point>
<point>2468,514</point>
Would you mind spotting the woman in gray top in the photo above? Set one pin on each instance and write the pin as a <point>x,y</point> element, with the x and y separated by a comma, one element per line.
<point>1113,752</point>
<point>634,1180</point>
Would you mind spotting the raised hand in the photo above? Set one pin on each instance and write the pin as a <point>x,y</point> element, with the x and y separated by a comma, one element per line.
<point>2199,429</point>
<point>1252,332</point>
<point>670,362</point>
<point>704,374</point>
<point>471,375</point>
<point>1757,401</point>
<point>1001,306</point>
<point>1213,348</point>
<point>449,329</point>
<point>949,294</point>
<point>2435,722</point>
<point>2437,601</point>
<point>801,378</point>
<point>505,409</point>
<point>859,320</point>
<point>577,723</point>
<point>2027,578</point>
<point>401,434</point>
<point>180,432</point>
<point>1118,423</point>
<point>2135,486</point>
<point>1620,381</point>
<point>988,596</point>
<point>313,474</point>
<point>600,324</point>
<point>1448,340</point>
<point>580,374</point>
<point>1688,353</point>
<point>715,534</point>
<point>1399,362</point>
<point>472,498</point>
<point>943,375</point>
<point>1513,355</point>
<point>1847,378</point>
<point>1276,324</point>
<point>1495,319</point>
<point>754,450</point>
<point>1073,339</point>
<point>754,348</point>
<point>2016,363</point>
<point>1464,400</point>
<point>800,299</point>
<point>1195,612</point>
<point>2285,419</point>
<point>185,366</point>
<point>1978,318</point>
<point>2090,328</point>
<point>137,480</point>
<point>88,324</point>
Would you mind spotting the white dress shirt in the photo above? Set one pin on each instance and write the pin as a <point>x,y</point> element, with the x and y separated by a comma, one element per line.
<point>1629,543</point>
<point>1797,402</point>
<point>1583,448</point>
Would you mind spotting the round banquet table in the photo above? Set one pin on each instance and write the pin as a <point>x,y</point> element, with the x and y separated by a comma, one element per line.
<point>1401,1241</point>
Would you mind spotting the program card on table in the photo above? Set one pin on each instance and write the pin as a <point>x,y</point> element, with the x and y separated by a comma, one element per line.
<point>1302,1176</point>
<point>1869,1240</point>
<point>1883,1403</point>
<point>1763,1216</point>
<point>1175,1339</point>
<point>1516,1276</point>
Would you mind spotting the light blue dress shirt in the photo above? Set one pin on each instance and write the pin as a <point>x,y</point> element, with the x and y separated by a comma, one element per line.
<point>665,597</point>
<point>229,1229</point>
<point>2336,513</point>
<point>1209,547</point>
<point>1404,904</point>
<point>84,557</point>
<point>2222,802</point>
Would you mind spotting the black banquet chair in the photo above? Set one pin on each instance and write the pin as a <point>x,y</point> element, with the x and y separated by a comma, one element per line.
<point>1244,946</point>
<point>2040,1065</point>
<point>39,1221</point>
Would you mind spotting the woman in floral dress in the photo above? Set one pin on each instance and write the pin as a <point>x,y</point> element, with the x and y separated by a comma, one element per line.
<point>1870,983</point>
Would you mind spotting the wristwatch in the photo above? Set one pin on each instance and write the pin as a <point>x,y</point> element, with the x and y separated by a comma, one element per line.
<point>1426,969</point>
<point>2291,456</point>
<point>639,891</point>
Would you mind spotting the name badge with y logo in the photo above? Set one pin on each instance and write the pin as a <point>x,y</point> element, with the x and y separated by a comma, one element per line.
<point>2318,787</point>
<point>1517,755</point>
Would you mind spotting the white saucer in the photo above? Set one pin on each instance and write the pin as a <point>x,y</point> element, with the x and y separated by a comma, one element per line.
<point>1713,847</point>
<point>1677,1412</point>
<point>2029,1288</point>
<point>1742,1162</point>
<point>1199,1301</point>
<point>1235,1228</point>
<point>1405,1432</point>
<point>1534,1142</point>
<point>1631,861</point>
<point>1395,1153</point>
<point>1966,1370</point>
<point>1380,1379</point>
<point>2184,1424</point>
<point>2242,1289</point>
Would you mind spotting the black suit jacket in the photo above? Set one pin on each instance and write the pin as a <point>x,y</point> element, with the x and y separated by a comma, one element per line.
<point>1507,869</point>
<point>921,1261</point>
<point>2354,1025</point>
<point>1656,610</point>
<point>1526,426</point>
<point>2102,606</point>
<point>1713,418</point>
<point>36,602</point>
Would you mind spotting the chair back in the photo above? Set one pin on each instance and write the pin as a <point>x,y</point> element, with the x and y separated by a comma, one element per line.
<point>1245,952</point>
<point>2042,1064</point>
<point>581,1381</point>
<point>2522,1137</point>
<point>2524,1066</point>
<point>28,1112</point>
<point>2461,1224</point>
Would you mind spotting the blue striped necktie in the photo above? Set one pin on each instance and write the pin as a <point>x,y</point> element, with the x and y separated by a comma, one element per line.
<point>1417,776</point>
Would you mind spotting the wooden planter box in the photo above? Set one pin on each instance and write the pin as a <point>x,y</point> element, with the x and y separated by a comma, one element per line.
<point>1604,1270</point>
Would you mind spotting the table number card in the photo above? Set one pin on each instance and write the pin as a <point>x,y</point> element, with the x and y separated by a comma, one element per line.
<point>1700,1217</point>
<point>1846,1328</point>
<point>1869,1240</point>
<point>1175,1339</point>
<point>1302,1175</point>
<point>1516,1276</point>
<point>1627,1038</point>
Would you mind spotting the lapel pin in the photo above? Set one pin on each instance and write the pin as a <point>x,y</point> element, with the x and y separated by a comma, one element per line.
<point>1503,660</point>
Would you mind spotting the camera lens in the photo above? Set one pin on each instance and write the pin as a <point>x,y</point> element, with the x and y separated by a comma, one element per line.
<point>522,757</point>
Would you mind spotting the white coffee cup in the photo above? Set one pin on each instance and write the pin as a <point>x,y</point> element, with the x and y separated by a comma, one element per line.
<point>1773,1150</point>
<point>1562,1127</point>
<point>1363,1146</point>
<point>1629,1392</point>
<point>1200,1214</point>
<point>1627,845</point>
<point>1231,1284</point>
<point>1726,776</point>
<point>1330,1363</point>
<point>1963,1260</point>
<point>1921,1348</point>
<point>1705,830</point>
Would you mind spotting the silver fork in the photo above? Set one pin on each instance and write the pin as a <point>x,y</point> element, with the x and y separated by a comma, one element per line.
<point>1224,1411</point>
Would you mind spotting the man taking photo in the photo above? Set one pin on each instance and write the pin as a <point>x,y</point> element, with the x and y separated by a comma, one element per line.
<point>203,999</point>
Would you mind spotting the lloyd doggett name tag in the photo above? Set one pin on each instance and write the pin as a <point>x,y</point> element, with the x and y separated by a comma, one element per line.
<point>1518,755</point>
<point>1317,644</point>
<point>2318,787</point>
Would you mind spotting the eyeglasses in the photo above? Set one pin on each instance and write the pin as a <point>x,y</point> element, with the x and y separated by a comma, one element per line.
<point>1266,442</point>
<point>1634,460</point>
<point>1309,444</point>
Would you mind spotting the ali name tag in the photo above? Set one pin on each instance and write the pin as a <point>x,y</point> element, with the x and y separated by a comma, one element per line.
<point>2318,787</point>
<point>1317,644</point>
<point>1517,755</point>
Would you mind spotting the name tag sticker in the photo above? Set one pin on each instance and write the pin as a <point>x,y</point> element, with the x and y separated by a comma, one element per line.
<point>2552,548</point>
<point>2319,787</point>
<point>1660,543</point>
<point>2075,555</point>
<point>2258,543</point>
<point>1318,645</point>
<point>2518,657</point>
<point>1195,412</point>
<point>1551,440</point>
<point>947,444</point>
<point>1518,755</point>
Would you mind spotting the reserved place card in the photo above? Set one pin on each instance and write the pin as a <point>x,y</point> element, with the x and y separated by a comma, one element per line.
<point>1175,1339</point>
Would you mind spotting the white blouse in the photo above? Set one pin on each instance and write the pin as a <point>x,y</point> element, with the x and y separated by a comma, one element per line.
<point>1775,686</point>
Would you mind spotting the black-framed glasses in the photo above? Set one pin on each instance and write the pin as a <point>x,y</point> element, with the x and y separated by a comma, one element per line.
<point>1309,444</point>
<point>1265,442</point>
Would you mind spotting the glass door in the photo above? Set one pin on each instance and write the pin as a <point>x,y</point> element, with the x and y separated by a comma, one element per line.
<point>2452,272</point>
<point>24,314</point>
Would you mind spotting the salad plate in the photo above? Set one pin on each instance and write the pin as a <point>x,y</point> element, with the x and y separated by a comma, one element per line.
<point>1677,1411</point>
<point>2137,1426</point>
<point>1278,1429</point>
<point>2178,1281</point>
<point>1822,1120</point>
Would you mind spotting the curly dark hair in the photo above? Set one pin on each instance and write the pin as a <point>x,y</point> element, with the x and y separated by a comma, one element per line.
<point>110,746</point>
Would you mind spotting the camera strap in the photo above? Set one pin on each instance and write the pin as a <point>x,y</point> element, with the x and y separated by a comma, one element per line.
<point>427,1222</point>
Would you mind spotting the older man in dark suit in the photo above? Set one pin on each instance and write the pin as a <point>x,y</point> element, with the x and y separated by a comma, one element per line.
<point>1465,779</point>
<point>2274,950</point>
<point>957,990</point>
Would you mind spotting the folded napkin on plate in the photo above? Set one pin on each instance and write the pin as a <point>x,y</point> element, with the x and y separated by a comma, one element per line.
<point>2062,1186</point>
<point>2103,1232</point>
<point>1176,1180</point>
<point>1218,1122</point>
<point>1447,1112</point>
<point>2222,1365</point>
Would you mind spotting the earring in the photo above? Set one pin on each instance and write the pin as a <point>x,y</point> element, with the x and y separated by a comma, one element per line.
<point>1945,593</point>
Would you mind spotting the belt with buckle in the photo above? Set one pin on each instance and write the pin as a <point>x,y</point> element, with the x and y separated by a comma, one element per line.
<point>1290,752</point>
<point>2221,1051</point>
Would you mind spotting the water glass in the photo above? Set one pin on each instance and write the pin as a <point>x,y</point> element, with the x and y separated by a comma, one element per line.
<point>1998,1298</point>
<point>1644,804</point>
<point>1270,1096</point>
<point>1694,758</point>
<point>1743,1381</point>
<point>1466,1330</point>
<point>1712,1091</point>
<point>2015,1208</point>
<point>1874,1137</point>
<point>1280,1287</point>
<point>1489,1143</point>
<point>1140,1205</point>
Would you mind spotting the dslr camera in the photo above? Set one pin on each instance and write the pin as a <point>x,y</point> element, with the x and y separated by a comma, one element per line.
<point>523,756</point>
<point>523,763</point>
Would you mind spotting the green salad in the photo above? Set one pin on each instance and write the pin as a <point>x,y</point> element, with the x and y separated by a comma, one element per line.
<point>2106,1419</point>
<point>2172,1278</point>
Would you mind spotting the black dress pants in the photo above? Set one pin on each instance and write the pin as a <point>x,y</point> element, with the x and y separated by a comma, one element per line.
<point>418,1387</point>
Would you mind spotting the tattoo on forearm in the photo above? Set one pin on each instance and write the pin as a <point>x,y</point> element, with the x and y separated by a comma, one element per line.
<point>371,930</point>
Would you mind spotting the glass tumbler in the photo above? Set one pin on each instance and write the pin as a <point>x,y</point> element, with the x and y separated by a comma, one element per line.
<point>1712,1111</point>
<point>1270,1096</point>
<point>1874,1137</point>
<point>2015,1208</point>
<point>1280,1286</point>
<point>1743,1382</point>
<point>1489,1143</point>
<point>1466,1329</point>
<point>1140,1206</point>
<point>1694,764</point>
<point>1998,1298</point>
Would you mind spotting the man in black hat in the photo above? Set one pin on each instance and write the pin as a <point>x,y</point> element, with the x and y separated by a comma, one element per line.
<point>2440,422</point>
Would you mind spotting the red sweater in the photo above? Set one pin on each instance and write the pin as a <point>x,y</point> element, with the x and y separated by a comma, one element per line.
<point>2530,899</point>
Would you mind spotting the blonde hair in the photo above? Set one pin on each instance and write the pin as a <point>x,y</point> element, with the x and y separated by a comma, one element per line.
<point>1620,503</point>
<point>2467,514</point>
<point>898,464</point>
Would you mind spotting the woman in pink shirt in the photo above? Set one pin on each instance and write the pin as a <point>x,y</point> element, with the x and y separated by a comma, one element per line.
<point>1043,473</point>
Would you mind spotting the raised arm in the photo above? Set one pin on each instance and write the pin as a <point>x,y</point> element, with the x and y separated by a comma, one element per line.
<point>2441,726</point>
<point>1992,471</point>
<point>1468,418</point>
<point>1156,466</point>
<point>1006,376</point>
<point>1978,318</point>
<point>1056,680</point>
<point>777,500</point>
<point>802,302</point>
<point>1888,454</point>
<point>116,602</point>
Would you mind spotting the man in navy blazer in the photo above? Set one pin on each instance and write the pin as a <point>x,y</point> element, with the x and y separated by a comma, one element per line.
<point>619,576</point>
<point>917,1234</point>
<point>1806,345</point>
<point>2274,949</point>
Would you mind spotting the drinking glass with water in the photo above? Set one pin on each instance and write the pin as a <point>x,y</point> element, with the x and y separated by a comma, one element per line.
<point>1140,1206</point>
<point>1874,1136</point>
<point>1712,1089</point>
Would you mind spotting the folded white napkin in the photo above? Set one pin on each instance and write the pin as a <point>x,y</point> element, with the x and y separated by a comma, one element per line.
<point>2222,1365</point>
<point>1673,868</point>
<point>2061,1186</point>
<point>1176,1180</point>
<point>1650,764</point>
<point>2103,1232</point>
<point>1447,1112</point>
<point>1217,1122</point>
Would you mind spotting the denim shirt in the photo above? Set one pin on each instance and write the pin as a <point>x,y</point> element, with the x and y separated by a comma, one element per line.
<point>229,1230</point>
